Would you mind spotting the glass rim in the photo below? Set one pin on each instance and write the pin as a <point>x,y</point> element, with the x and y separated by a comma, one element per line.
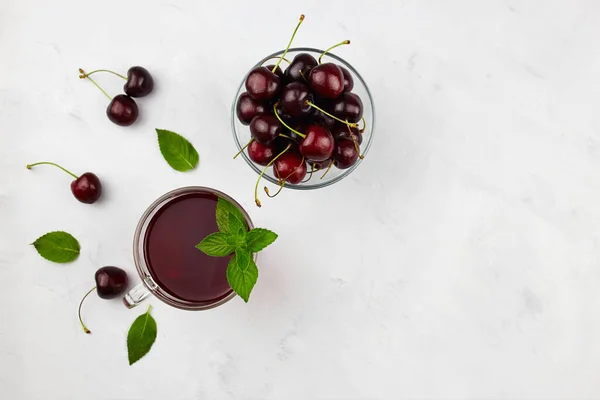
<point>139,256</point>
<point>347,171</point>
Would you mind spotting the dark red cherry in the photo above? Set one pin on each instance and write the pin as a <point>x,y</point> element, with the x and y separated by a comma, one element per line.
<point>261,154</point>
<point>139,82</point>
<point>348,80</point>
<point>262,84</point>
<point>122,110</point>
<point>327,80</point>
<point>110,283</point>
<point>265,128</point>
<point>347,107</point>
<point>293,99</point>
<point>87,188</point>
<point>302,62</point>
<point>248,108</point>
<point>342,131</point>
<point>345,154</point>
<point>290,167</point>
<point>318,143</point>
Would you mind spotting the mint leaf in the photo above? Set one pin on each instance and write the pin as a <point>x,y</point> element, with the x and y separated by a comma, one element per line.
<point>242,273</point>
<point>229,218</point>
<point>217,244</point>
<point>58,247</point>
<point>177,151</point>
<point>141,336</point>
<point>259,238</point>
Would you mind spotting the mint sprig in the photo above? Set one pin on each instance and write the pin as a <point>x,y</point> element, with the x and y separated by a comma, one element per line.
<point>234,239</point>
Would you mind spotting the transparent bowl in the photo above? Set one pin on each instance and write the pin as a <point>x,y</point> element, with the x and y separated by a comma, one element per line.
<point>241,132</point>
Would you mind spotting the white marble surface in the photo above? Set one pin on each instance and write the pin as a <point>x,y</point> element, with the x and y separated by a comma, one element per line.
<point>460,261</point>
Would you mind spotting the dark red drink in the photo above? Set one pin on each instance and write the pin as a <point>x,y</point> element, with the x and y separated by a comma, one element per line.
<point>172,258</point>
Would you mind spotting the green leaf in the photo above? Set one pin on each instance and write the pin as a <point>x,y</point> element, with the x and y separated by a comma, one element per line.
<point>177,151</point>
<point>259,238</point>
<point>217,244</point>
<point>229,218</point>
<point>59,247</point>
<point>242,273</point>
<point>141,336</point>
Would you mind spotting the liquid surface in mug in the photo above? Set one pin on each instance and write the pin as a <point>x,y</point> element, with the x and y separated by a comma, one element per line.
<point>174,261</point>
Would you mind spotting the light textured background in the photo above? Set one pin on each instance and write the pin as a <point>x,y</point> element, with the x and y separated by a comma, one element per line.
<point>461,260</point>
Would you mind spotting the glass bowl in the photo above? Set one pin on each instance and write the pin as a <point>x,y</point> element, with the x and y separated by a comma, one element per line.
<point>241,132</point>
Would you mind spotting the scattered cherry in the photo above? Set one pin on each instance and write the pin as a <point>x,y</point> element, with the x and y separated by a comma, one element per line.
<point>110,283</point>
<point>318,144</point>
<point>265,128</point>
<point>86,188</point>
<point>262,154</point>
<point>290,167</point>
<point>345,154</point>
<point>347,107</point>
<point>248,108</point>
<point>122,110</point>
<point>139,82</point>
<point>327,80</point>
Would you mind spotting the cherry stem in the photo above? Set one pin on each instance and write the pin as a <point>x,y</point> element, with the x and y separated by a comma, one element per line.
<point>56,165</point>
<point>355,143</point>
<point>272,58</point>
<point>350,124</point>
<point>302,75</point>
<point>265,170</point>
<point>84,76</point>
<point>333,47</point>
<point>243,148</point>
<point>289,44</point>
<point>310,176</point>
<point>364,125</point>
<point>328,168</point>
<point>284,124</point>
<point>281,185</point>
<point>85,329</point>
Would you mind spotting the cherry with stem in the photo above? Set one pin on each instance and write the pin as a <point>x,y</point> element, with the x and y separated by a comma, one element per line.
<point>122,109</point>
<point>286,125</point>
<point>289,44</point>
<point>86,188</point>
<point>263,172</point>
<point>333,47</point>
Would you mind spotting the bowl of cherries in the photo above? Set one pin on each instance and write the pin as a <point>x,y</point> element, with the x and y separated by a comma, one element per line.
<point>303,118</point>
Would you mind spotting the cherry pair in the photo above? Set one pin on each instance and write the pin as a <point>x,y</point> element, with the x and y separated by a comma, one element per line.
<point>122,109</point>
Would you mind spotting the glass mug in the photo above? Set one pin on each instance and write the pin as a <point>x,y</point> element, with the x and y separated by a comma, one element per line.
<point>170,266</point>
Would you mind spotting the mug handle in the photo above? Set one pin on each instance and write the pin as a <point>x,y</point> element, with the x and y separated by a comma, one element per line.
<point>136,295</point>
